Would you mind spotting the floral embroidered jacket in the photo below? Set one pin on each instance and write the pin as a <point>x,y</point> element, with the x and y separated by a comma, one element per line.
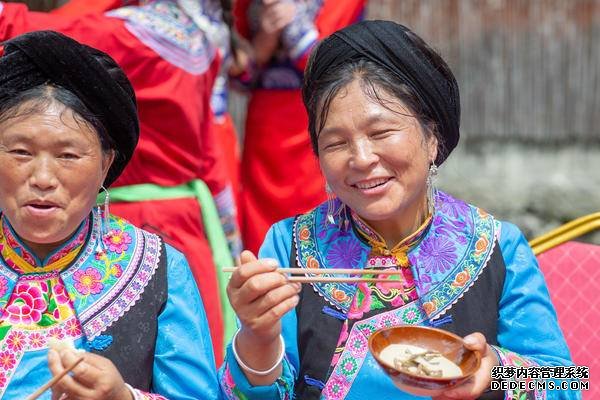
<point>92,291</point>
<point>445,263</point>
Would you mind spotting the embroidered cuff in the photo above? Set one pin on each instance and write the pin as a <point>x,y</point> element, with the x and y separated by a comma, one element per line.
<point>235,385</point>
<point>139,395</point>
<point>508,358</point>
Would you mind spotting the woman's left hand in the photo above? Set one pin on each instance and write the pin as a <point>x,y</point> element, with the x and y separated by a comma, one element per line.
<point>95,377</point>
<point>481,380</point>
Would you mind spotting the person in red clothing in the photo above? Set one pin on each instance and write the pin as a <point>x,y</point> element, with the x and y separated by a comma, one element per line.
<point>280,174</point>
<point>172,66</point>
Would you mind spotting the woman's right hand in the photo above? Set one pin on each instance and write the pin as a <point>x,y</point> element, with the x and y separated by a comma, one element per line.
<point>260,296</point>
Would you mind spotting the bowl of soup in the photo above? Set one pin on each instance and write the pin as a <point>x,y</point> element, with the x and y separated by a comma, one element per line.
<point>421,360</point>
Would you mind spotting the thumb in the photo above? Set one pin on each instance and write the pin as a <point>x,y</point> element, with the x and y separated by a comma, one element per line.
<point>247,256</point>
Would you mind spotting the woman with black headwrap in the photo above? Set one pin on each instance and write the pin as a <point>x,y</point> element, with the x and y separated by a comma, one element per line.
<point>384,113</point>
<point>69,271</point>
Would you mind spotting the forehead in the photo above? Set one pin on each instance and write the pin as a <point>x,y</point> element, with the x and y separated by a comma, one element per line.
<point>359,102</point>
<point>46,124</point>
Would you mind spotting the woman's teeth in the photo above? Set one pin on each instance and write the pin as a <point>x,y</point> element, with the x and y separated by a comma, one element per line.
<point>371,184</point>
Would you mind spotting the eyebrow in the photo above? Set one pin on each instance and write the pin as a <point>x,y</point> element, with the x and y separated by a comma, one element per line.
<point>371,120</point>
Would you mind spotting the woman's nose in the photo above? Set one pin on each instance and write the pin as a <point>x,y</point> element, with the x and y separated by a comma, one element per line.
<point>363,155</point>
<point>43,176</point>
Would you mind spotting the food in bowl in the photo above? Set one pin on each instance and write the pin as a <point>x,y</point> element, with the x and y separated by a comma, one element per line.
<point>420,361</point>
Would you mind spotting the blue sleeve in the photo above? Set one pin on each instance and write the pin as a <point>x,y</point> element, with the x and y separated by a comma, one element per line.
<point>528,330</point>
<point>234,384</point>
<point>184,365</point>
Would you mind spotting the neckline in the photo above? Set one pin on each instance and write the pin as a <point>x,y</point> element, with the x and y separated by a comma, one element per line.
<point>19,257</point>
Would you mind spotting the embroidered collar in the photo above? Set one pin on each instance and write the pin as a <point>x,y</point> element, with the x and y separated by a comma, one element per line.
<point>106,277</point>
<point>18,256</point>
<point>378,245</point>
<point>445,261</point>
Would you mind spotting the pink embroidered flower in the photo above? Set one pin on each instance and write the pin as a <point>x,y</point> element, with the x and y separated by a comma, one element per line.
<point>60,293</point>
<point>56,333</point>
<point>88,282</point>
<point>2,379</point>
<point>26,305</point>
<point>7,360</point>
<point>357,310</point>
<point>116,270</point>
<point>73,328</point>
<point>3,286</point>
<point>36,340</point>
<point>335,388</point>
<point>117,240</point>
<point>15,341</point>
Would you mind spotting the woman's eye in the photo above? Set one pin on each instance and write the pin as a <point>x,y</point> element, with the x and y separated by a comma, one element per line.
<point>334,145</point>
<point>381,134</point>
<point>69,156</point>
<point>20,152</point>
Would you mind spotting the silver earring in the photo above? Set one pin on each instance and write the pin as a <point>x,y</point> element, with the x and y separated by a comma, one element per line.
<point>431,190</point>
<point>341,213</point>
<point>330,204</point>
<point>106,215</point>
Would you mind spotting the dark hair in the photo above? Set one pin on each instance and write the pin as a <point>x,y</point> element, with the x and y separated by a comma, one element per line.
<point>40,98</point>
<point>373,79</point>
<point>320,87</point>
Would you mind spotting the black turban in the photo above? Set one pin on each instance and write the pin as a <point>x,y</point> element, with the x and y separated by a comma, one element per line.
<point>393,47</point>
<point>47,57</point>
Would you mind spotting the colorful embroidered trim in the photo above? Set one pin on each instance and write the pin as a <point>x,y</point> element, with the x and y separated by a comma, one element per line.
<point>509,358</point>
<point>165,28</point>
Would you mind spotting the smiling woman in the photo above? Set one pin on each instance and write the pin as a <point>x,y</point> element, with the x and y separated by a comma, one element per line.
<point>68,127</point>
<point>384,113</point>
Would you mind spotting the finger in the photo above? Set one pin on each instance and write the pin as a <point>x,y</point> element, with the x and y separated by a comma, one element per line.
<point>275,314</point>
<point>475,341</point>
<point>249,269</point>
<point>275,296</point>
<point>86,373</point>
<point>259,285</point>
<point>247,256</point>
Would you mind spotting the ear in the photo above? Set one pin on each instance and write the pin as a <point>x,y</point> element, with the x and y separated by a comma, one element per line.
<point>432,147</point>
<point>107,160</point>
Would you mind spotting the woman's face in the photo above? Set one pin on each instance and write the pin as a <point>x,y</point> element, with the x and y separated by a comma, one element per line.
<point>374,159</point>
<point>52,168</point>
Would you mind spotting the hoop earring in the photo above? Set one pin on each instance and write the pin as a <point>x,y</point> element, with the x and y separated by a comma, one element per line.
<point>431,190</point>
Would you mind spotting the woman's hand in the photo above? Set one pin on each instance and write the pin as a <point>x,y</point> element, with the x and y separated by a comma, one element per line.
<point>481,380</point>
<point>274,15</point>
<point>94,378</point>
<point>260,296</point>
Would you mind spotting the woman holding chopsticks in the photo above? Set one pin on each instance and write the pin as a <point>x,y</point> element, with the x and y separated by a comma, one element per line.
<point>384,113</point>
<point>70,271</point>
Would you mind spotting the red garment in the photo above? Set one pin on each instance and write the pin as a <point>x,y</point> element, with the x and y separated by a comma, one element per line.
<point>280,174</point>
<point>176,144</point>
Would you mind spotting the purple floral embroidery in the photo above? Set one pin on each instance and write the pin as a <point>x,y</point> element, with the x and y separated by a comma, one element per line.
<point>437,254</point>
<point>344,253</point>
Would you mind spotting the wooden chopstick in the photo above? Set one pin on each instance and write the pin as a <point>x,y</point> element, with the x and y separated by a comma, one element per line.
<point>307,279</point>
<point>53,381</point>
<point>333,271</point>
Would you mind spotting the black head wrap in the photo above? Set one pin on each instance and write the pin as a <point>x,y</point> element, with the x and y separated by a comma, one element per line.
<point>47,57</point>
<point>397,49</point>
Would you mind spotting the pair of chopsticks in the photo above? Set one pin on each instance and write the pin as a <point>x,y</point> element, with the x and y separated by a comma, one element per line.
<point>53,381</point>
<point>330,271</point>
